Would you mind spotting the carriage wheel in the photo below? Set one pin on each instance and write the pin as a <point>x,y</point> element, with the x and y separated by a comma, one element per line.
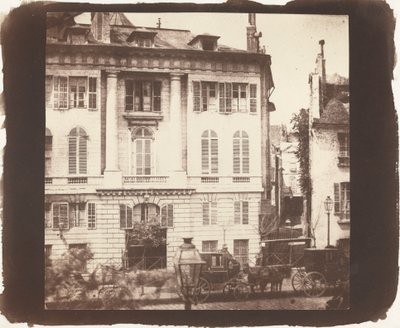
<point>314,284</point>
<point>241,292</point>
<point>203,290</point>
<point>298,281</point>
<point>228,288</point>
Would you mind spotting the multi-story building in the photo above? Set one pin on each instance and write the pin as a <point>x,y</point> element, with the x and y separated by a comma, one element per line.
<point>153,126</point>
<point>329,155</point>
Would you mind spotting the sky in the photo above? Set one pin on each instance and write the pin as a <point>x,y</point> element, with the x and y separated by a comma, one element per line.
<point>290,40</point>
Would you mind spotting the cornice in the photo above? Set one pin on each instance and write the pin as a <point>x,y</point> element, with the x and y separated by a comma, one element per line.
<point>143,192</point>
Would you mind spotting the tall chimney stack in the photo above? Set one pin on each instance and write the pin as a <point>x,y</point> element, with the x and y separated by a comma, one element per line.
<point>322,75</point>
<point>253,42</point>
<point>100,27</point>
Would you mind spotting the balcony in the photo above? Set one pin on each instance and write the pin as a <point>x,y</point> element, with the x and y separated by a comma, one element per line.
<point>343,159</point>
<point>225,183</point>
<point>145,179</point>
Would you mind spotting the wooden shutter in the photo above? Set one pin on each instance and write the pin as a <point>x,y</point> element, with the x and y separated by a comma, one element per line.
<point>228,97</point>
<point>237,212</point>
<point>196,96</point>
<point>91,215</point>
<point>60,216</point>
<point>92,93</point>
<point>72,155</point>
<point>214,212</point>
<point>214,155</point>
<point>164,214</point>
<point>253,98</point>
<point>236,155</point>
<point>222,98</point>
<point>82,155</point>
<point>205,155</point>
<point>139,156</point>
<point>129,217</point>
<point>204,96</point>
<point>170,220</point>
<point>49,91</point>
<point>147,156</point>
<point>245,154</point>
<point>157,96</point>
<point>336,188</point>
<point>245,212</point>
<point>128,95</point>
<point>56,216</point>
<point>206,213</point>
<point>122,216</point>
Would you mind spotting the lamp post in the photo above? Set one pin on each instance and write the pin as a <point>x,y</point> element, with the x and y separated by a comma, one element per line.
<point>328,203</point>
<point>188,264</point>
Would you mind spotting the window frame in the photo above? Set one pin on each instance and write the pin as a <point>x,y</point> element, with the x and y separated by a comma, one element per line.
<point>342,200</point>
<point>78,158</point>
<point>67,218</point>
<point>91,217</point>
<point>209,152</point>
<point>240,215</point>
<point>133,86</point>
<point>241,153</point>
<point>210,249</point>
<point>167,220</point>
<point>210,208</point>
<point>126,225</point>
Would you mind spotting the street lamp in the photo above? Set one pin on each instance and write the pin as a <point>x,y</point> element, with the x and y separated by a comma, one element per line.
<point>188,264</point>
<point>328,203</point>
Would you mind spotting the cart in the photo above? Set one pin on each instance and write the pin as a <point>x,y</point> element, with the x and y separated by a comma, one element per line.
<point>322,268</point>
<point>221,272</point>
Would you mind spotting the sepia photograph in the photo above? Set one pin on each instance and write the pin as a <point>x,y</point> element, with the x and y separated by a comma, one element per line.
<point>196,161</point>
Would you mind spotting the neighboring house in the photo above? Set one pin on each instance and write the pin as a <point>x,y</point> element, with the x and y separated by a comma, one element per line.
<point>153,125</point>
<point>329,155</point>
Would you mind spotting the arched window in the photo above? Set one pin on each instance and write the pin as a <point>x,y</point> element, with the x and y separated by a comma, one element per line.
<point>77,151</point>
<point>241,153</point>
<point>48,146</point>
<point>209,152</point>
<point>142,151</point>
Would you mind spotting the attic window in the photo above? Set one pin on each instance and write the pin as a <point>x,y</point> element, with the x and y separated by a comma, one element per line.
<point>142,38</point>
<point>205,42</point>
<point>209,45</point>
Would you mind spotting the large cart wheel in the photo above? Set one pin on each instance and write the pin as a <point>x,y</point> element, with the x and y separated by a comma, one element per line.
<point>298,280</point>
<point>314,284</point>
<point>241,292</point>
<point>203,290</point>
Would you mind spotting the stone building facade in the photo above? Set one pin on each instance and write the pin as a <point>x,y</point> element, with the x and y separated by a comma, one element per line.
<point>153,126</point>
<point>329,155</point>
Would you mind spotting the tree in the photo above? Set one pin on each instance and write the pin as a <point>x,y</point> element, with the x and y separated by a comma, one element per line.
<point>301,130</point>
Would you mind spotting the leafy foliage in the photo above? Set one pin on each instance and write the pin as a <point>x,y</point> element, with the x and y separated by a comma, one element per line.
<point>149,233</point>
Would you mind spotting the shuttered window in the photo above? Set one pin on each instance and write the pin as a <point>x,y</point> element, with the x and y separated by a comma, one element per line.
<point>196,96</point>
<point>239,97</point>
<point>77,151</point>
<point>125,216</point>
<point>241,212</point>
<point>49,91</point>
<point>342,200</point>
<point>60,94</point>
<point>209,152</point>
<point>91,215</point>
<point>241,153</point>
<point>77,92</point>
<point>343,144</point>
<point>142,96</point>
<point>225,97</point>
<point>167,215</point>
<point>253,98</point>
<point>210,213</point>
<point>143,151</point>
<point>60,216</point>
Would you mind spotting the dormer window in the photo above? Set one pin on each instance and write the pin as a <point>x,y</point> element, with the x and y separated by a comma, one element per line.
<point>205,42</point>
<point>142,38</point>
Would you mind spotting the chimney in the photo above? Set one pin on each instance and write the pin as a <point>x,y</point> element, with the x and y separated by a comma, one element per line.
<point>100,27</point>
<point>320,70</point>
<point>253,42</point>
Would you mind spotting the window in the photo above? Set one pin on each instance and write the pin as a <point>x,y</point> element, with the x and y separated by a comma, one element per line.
<point>239,97</point>
<point>241,212</point>
<point>71,92</point>
<point>209,246</point>
<point>204,96</point>
<point>241,251</point>
<point>77,151</point>
<point>47,254</point>
<point>91,215</point>
<point>142,96</point>
<point>125,216</point>
<point>143,42</point>
<point>146,213</point>
<point>48,147</point>
<point>209,152</point>
<point>253,98</point>
<point>167,215</point>
<point>241,153</point>
<point>60,216</point>
<point>344,149</point>
<point>60,95</point>
<point>342,200</point>
<point>225,97</point>
<point>210,213</point>
<point>142,156</point>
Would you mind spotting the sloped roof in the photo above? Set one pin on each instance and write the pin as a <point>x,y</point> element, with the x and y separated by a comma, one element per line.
<point>335,113</point>
<point>119,19</point>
